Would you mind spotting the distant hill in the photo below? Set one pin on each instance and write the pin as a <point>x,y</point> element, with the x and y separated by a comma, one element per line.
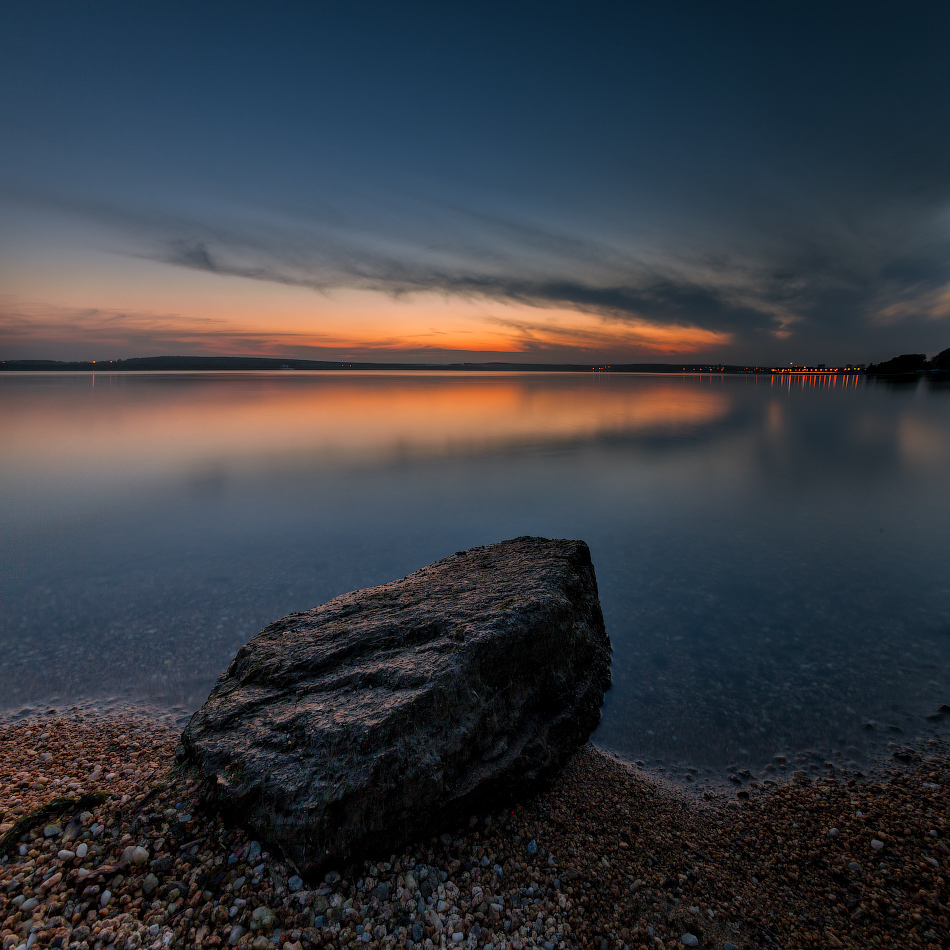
<point>910,364</point>
<point>941,361</point>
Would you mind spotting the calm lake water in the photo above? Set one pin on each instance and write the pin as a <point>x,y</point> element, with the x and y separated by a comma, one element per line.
<point>772,555</point>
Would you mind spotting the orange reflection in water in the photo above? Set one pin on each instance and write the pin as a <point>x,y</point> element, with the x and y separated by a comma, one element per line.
<point>126,428</point>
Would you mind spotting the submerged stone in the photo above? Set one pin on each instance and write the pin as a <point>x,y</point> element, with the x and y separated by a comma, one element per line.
<point>386,713</point>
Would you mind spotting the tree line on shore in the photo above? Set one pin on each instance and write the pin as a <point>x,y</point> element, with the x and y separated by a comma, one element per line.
<point>911,364</point>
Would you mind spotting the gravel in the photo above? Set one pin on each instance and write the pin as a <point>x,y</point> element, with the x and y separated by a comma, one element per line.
<point>606,857</point>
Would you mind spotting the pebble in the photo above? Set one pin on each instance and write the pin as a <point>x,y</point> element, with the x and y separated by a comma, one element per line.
<point>689,940</point>
<point>877,844</point>
<point>263,917</point>
<point>485,887</point>
<point>134,855</point>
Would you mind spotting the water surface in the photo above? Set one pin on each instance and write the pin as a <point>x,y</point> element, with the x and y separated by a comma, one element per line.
<point>772,555</point>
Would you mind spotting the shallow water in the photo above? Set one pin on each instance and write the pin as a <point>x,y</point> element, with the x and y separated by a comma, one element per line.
<point>772,555</point>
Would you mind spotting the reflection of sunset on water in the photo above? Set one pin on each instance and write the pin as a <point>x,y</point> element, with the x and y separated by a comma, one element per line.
<point>734,521</point>
<point>174,421</point>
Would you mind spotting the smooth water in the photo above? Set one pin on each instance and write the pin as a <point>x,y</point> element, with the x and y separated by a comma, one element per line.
<point>772,555</point>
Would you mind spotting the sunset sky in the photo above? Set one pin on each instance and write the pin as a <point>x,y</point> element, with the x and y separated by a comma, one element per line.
<point>524,181</point>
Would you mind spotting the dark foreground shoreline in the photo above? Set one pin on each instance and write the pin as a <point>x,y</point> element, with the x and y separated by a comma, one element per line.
<point>604,858</point>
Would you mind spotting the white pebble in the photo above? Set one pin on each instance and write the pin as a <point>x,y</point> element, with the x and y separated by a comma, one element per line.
<point>690,941</point>
<point>65,855</point>
<point>877,845</point>
<point>106,897</point>
<point>82,850</point>
<point>832,832</point>
<point>139,855</point>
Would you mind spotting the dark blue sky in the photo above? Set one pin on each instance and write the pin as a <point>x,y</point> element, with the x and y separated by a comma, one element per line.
<point>726,180</point>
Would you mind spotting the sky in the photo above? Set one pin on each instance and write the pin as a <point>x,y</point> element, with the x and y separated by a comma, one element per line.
<point>738,182</point>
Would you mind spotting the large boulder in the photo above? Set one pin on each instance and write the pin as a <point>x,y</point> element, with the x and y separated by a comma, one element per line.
<point>389,712</point>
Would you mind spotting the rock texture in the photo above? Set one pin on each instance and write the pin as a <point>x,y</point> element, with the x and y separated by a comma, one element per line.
<point>387,712</point>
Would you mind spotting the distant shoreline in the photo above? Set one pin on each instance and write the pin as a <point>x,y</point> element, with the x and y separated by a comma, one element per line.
<point>233,363</point>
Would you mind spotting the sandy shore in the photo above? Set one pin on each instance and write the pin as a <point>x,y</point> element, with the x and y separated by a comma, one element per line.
<point>605,858</point>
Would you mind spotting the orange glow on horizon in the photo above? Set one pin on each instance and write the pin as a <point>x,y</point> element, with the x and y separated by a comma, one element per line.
<point>291,321</point>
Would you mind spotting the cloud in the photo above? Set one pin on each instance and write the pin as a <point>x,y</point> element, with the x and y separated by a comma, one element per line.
<point>476,256</point>
<point>671,302</point>
<point>815,277</point>
<point>37,330</point>
<point>822,283</point>
<point>641,337</point>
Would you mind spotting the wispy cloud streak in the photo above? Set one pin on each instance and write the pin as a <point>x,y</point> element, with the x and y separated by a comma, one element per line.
<point>823,280</point>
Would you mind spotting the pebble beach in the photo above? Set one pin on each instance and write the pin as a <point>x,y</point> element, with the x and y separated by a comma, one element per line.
<point>101,846</point>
